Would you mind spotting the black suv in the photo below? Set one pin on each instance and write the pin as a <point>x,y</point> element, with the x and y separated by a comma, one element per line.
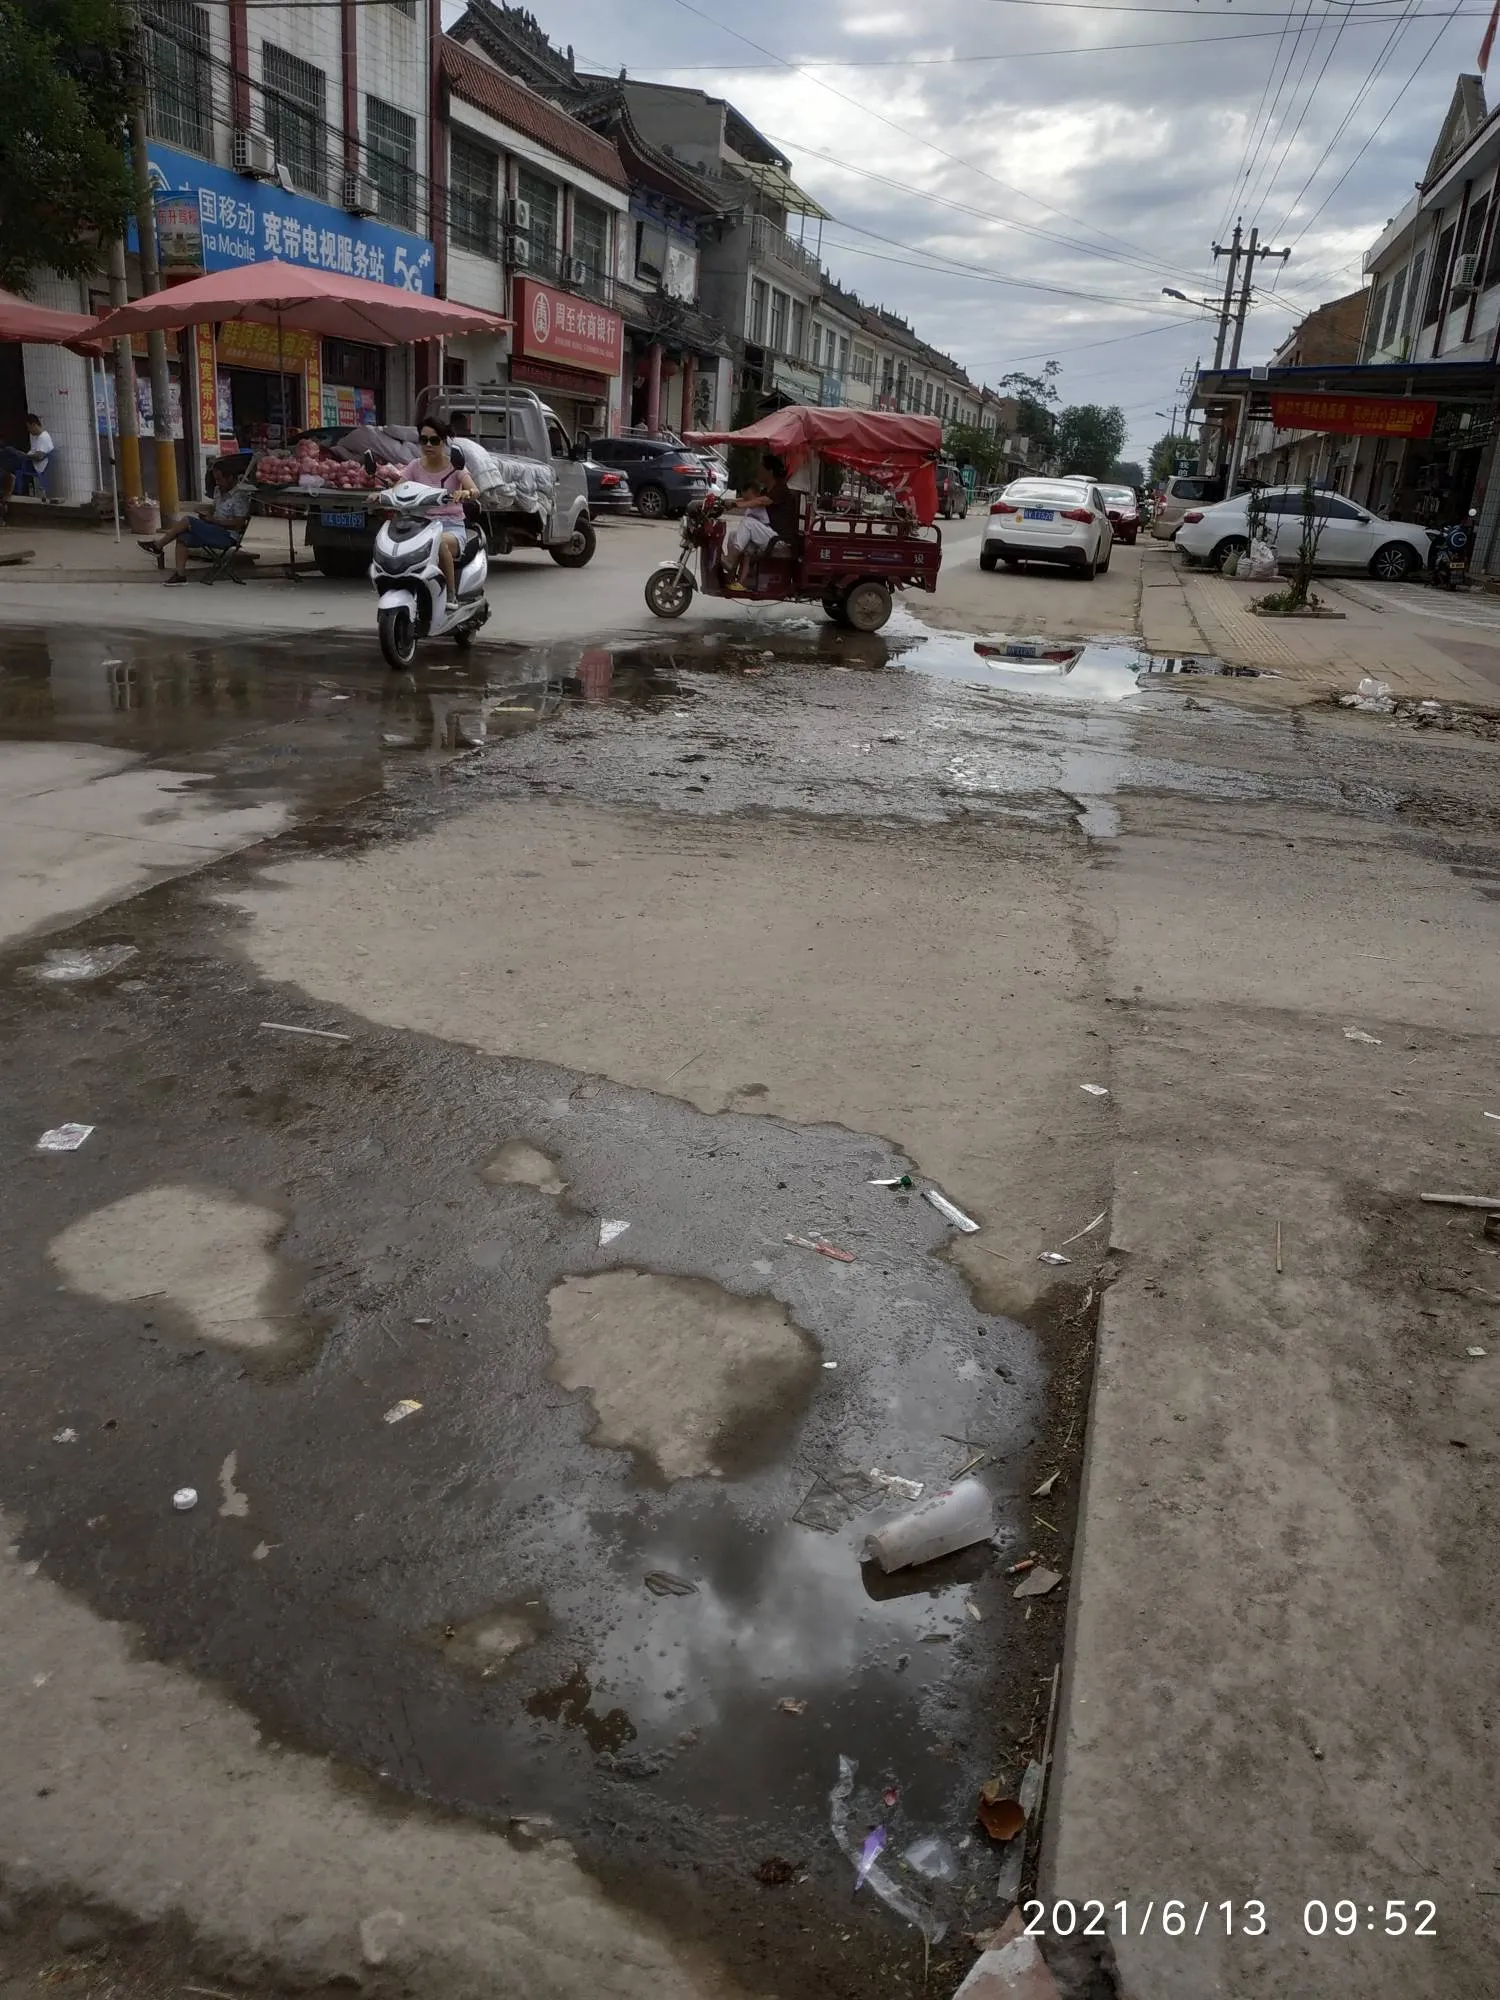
<point>664,478</point>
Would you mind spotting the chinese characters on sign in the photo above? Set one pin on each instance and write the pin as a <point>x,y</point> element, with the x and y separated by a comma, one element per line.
<point>242,221</point>
<point>554,326</point>
<point>1354,416</point>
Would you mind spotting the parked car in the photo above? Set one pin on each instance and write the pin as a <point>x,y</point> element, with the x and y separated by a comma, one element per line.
<point>1349,537</point>
<point>1050,521</point>
<point>953,495</point>
<point>1183,490</point>
<point>609,488</point>
<point>665,478</point>
<point>1124,512</point>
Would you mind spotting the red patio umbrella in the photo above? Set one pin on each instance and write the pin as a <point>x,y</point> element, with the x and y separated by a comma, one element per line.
<point>21,320</point>
<point>322,302</point>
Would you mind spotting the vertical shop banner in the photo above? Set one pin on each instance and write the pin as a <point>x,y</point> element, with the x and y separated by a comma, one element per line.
<point>206,372</point>
<point>244,221</point>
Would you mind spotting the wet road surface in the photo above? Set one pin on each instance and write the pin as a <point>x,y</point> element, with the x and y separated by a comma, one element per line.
<point>456,1604</point>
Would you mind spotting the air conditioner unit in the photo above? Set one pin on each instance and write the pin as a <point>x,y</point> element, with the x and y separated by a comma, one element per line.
<point>518,216</point>
<point>254,155</point>
<point>578,271</point>
<point>360,195</point>
<point>1466,272</point>
<point>517,252</point>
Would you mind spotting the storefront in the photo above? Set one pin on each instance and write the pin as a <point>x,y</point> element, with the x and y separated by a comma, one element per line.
<point>237,386</point>
<point>571,351</point>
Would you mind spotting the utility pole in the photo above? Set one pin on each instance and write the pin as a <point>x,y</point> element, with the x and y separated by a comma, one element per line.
<point>145,221</point>
<point>127,418</point>
<point>1227,309</point>
<point>1253,252</point>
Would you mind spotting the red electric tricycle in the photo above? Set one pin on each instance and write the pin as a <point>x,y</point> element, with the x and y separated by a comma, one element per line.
<point>849,555</point>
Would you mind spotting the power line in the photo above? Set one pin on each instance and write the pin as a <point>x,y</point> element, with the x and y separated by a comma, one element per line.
<point>955,267</point>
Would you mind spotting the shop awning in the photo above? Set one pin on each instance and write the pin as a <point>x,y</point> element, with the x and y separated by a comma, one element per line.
<point>21,320</point>
<point>322,302</point>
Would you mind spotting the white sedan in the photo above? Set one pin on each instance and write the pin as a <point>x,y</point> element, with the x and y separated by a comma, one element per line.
<point>1049,521</point>
<point>1349,537</point>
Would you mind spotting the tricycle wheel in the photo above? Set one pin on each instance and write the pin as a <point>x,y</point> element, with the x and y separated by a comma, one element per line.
<point>833,604</point>
<point>578,549</point>
<point>668,592</point>
<point>867,606</point>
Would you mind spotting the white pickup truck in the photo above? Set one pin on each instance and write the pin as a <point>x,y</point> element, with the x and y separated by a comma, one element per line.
<point>533,491</point>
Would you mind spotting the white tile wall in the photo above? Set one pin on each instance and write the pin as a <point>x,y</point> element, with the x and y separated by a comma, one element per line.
<point>59,390</point>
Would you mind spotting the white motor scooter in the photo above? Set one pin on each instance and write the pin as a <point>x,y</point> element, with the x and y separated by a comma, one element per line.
<point>408,573</point>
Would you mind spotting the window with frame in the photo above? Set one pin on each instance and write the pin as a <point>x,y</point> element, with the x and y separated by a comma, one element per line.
<point>1393,310</point>
<point>1474,225</point>
<point>406,7</point>
<point>798,332</point>
<point>541,197</point>
<point>591,237</point>
<point>1437,278</point>
<point>179,81</point>
<point>760,293</point>
<point>1377,315</point>
<point>294,99</point>
<point>473,188</point>
<point>779,304</point>
<point>1413,290</point>
<point>391,161</point>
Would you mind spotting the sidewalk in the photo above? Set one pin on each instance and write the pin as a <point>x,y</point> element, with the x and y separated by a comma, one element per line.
<point>1426,646</point>
<point>91,554</point>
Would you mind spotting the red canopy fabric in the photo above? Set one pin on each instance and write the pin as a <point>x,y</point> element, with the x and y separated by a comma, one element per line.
<point>21,320</point>
<point>319,302</point>
<point>897,451</point>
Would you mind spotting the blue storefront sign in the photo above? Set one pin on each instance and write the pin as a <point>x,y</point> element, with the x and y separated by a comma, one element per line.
<point>244,221</point>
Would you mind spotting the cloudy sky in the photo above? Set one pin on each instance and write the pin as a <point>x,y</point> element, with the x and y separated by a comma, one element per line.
<point>1020,178</point>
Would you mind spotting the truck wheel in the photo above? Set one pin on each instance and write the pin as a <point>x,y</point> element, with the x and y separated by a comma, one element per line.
<point>578,549</point>
<point>867,606</point>
<point>652,502</point>
<point>398,639</point>
<point>668,592</point>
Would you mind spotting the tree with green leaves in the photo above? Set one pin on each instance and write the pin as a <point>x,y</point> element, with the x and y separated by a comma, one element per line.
<point>65,185</point>
<point>1036,398</point>
<point>968,444</point>
<point>1089,439</point>
<point>1169,452</point>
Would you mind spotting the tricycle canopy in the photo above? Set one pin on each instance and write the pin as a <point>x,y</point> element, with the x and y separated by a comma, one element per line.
<point>900,452</point>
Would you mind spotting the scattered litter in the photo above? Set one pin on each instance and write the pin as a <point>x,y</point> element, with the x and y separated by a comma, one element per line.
<point>933,1857</point>
<point>1493,1114</point>
<point>321,1034</point>
<point>1038,1583</point>
<point>893,736</point>
<point>973,1610</point>
<point>63,1138</point>
<point>977,1460</point>
<point>421,1322</point>
<point>955,1519</point>
<point>823,1249</point>
<point>662,1583</point>
<point>1087,1228</point>
<point>775,1872</point>
<point>790,1705</point>
<point>949,1212</point>
<point>1095,1089</point>
<point>1474,1354</point>
<point>608,1231</point>
<point>889,1797</point>
<point>1278,1246</point>
<point>70,1436</point>
<point>1053,1257</point>
<point>1372,696</point>
<point>834,1497</point>
<point>185,1499</point>
<point>1026,1562</point>
<point>905,1180</point>
<point>1041,1492</point>
<point>1001,1816</point>
<point>259,1553</point>
<point>830,1364</point>
<point>869,1854</point>
<point>1029,1798</point>
<point>92,962</point>
<point>909,1489</point>
<point>1359,1035</point>
<point>1487,1201</point>
<point>407,1407</point>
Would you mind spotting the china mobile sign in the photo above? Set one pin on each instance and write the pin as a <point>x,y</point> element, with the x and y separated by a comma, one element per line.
<point>555,326</point>
<point>209,219</point>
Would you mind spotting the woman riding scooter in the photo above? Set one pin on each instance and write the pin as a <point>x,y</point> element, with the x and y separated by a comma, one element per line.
<point>436,468</point>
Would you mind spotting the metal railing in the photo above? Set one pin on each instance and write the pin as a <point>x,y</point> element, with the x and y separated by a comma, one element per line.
<point>775,246</point>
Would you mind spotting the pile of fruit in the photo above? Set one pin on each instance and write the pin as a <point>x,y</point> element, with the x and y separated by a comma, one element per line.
<point>308,462</point>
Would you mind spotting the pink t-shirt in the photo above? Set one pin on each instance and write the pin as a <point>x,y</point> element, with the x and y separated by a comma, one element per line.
<point>417,471</point>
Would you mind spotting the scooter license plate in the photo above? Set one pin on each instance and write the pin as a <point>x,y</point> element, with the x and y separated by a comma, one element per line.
<point>342,519</point>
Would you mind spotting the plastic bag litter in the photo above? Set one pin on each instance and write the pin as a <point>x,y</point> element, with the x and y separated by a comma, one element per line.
<point>892,1894</point>
<point>1257,564</point>
<point>90,963</point>
<point>609,1229</point>
<point>398,1412</point>
<point>1372,696</point>
<point>933,1857</point>
<point>950,1211</point>
<point>63,1138</point>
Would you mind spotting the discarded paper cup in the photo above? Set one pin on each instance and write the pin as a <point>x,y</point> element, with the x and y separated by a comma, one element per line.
<point>955,1519</point>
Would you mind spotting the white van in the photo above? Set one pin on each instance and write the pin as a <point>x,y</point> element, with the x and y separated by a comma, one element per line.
<point>1184,490</point>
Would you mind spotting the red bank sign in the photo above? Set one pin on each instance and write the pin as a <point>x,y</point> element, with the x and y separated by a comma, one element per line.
<point>555,326</point>
<point>1354,416</point>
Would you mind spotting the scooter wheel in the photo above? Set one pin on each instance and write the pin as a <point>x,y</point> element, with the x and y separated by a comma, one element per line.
<point>398,639</point>
<point>668,593</point>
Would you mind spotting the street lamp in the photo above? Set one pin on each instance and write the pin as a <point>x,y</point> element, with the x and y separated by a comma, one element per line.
<point>1170,292</point>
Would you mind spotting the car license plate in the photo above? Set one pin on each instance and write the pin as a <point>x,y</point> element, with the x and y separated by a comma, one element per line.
<point>342,519</point>
<point>1028,514</point>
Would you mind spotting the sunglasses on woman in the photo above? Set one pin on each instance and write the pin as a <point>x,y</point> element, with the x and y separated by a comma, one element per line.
<point>428,437</point>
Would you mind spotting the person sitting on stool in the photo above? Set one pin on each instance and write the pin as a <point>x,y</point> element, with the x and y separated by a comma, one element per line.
<point>218,527</point>
<point>29,464</point>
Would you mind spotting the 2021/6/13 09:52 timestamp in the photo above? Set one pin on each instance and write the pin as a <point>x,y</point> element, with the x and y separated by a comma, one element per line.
<point>1396,1918</point>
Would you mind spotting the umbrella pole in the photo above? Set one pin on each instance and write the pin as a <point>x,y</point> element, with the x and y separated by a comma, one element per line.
<point>291,546</point>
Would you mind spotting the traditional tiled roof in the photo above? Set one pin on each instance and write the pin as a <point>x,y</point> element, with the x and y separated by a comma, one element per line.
<point>479,83</point>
